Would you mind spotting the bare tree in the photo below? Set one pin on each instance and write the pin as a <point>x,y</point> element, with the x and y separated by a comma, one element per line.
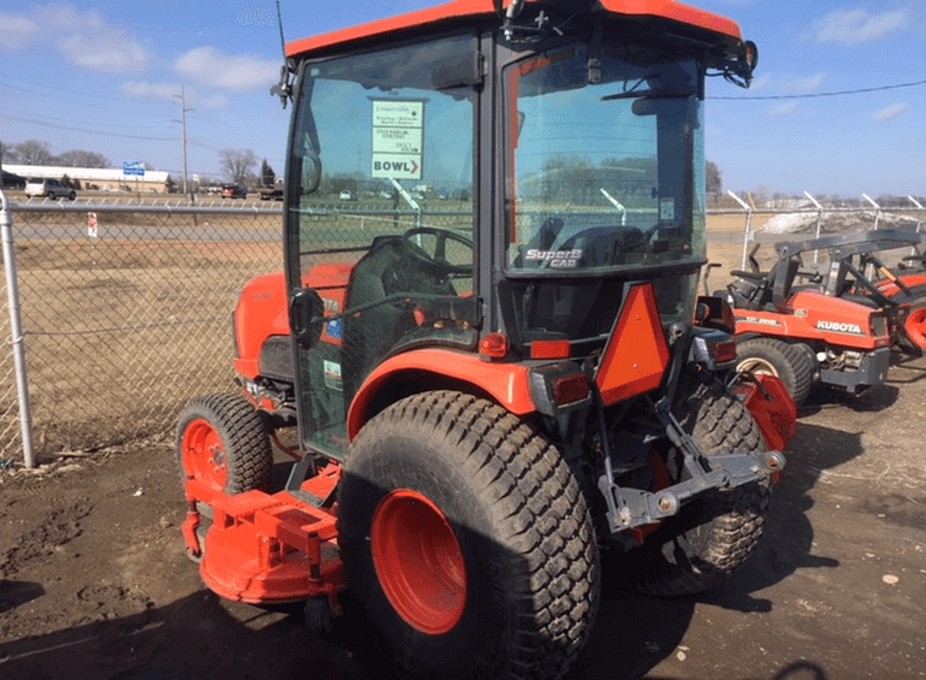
<point>236,164</point>
<point>32,152</point>
<point>78,158</point>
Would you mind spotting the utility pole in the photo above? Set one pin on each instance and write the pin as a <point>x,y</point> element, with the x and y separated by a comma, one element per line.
<point>182,121</point>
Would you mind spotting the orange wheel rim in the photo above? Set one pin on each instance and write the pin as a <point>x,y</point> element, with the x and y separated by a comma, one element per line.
<point>203,455</point>
<point>419,562</point>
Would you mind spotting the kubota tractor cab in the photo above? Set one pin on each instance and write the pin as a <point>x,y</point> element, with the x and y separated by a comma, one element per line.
<point>494,351</point>
<point>830,324</point>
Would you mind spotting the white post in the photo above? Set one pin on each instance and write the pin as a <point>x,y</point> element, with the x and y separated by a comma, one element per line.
<point>877,208</point>
<point>747,234</point>
<point>919,221</point>
<point>16,331</point>
<point>816,253</point>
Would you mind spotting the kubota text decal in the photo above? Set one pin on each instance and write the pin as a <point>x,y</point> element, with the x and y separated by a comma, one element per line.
<point>839,327</point>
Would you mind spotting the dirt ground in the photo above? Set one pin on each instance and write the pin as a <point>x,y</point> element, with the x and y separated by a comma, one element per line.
<point>95,584</point>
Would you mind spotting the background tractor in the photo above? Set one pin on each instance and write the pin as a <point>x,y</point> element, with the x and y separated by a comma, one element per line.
<point>833,323</point>
<point>494,358</point>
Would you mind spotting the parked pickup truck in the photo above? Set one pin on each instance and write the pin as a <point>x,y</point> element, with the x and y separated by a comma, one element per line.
<point>272,193</point>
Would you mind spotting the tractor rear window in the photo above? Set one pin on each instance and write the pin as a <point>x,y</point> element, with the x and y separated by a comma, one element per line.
<point>603,164</point>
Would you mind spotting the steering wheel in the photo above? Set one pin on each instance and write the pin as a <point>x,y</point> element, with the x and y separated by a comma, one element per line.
<point>438,260</point>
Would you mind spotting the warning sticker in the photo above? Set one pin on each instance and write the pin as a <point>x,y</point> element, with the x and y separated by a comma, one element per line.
<point>398,139</point>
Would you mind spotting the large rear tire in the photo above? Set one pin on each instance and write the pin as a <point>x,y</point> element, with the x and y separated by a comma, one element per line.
<point>789,362</point>
<point>712,536</point>
<point>223,443</point>
<point>466,539</point>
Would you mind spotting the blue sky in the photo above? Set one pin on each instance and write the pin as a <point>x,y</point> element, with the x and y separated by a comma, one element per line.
<point>105,76</point>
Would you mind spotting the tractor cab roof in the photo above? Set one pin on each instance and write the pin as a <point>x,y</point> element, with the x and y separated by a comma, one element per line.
<point>712,27</point>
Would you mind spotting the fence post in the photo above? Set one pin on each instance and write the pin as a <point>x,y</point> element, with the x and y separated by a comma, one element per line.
<point>877,208</point>
<point>17,343</point>
<point>748,231</point>
<point>919,221</point>
<point>816,253</point>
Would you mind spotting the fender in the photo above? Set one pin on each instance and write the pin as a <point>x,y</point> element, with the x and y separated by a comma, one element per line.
<point>508,384</point>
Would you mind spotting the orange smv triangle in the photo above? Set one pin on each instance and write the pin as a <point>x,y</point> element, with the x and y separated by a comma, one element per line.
<point>637,354</point>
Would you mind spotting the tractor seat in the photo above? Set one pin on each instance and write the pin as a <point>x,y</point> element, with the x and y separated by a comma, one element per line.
<point>758,290</point>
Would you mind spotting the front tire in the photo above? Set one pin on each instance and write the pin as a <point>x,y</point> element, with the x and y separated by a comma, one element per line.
<point>714,535</point>
<point>468,542</point>
<point>222,443</point>
<point>770,356</point>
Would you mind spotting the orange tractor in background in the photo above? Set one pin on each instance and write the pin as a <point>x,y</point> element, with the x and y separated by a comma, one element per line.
<point>493,355</point>
<point>835,324</point>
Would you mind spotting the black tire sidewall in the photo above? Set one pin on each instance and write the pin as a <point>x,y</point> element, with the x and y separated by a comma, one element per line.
<point>790,361</point>
<point>246,444</point>
<point>714,534</point>
<point>518,513</point>
<point>414,465</point>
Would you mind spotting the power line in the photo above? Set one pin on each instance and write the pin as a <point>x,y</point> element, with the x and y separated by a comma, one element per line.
<point>104,133</point>
<point>836,93</point>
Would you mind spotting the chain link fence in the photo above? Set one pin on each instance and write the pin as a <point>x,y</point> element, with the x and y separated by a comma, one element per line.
<point>126,314</point>
<point>126,307</point>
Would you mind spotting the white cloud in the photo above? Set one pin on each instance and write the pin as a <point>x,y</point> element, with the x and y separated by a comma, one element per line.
<point>790,84</point>
<point>165,92</point>
<point>890,112</point>
<point>208,66</point>
<point>84,39</point>
<point>808,85</point>
<point>857,26</point>
<point>784,110</point>
<point>256,15</point>
<point>17,31</point>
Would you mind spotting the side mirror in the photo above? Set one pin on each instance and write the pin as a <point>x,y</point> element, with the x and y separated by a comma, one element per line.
<point>306,316</point>
<point>311,172</point>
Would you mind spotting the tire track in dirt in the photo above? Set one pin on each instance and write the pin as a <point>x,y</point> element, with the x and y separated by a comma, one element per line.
<point>57,528</point>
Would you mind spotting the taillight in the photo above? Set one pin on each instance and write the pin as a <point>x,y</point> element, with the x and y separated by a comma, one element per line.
<point>724,352</point>
<point>494,346</point>
<point>713,349</point>
<point>569,389</point>
<point>560,387</point>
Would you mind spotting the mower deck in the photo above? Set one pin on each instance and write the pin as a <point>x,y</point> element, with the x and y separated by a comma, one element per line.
<point>269,548</point>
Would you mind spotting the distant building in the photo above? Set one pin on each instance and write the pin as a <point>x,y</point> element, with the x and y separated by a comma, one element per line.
<point>97,179</point>
<point>10,180</point>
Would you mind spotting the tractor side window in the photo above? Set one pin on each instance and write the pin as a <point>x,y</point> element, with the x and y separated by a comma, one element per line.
<point>381,223</point>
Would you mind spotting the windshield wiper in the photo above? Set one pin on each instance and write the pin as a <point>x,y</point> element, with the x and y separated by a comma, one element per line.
<point>652,94</point>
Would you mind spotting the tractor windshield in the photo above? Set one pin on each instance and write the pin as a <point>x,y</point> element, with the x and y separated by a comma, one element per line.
<point>605,158</point>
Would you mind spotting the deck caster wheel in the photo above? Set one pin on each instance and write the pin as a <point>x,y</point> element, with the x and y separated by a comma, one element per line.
<point>317,615</point>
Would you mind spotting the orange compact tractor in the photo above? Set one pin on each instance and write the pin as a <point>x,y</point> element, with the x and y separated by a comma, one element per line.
<point>833,325</point>
<point>488,338</point>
